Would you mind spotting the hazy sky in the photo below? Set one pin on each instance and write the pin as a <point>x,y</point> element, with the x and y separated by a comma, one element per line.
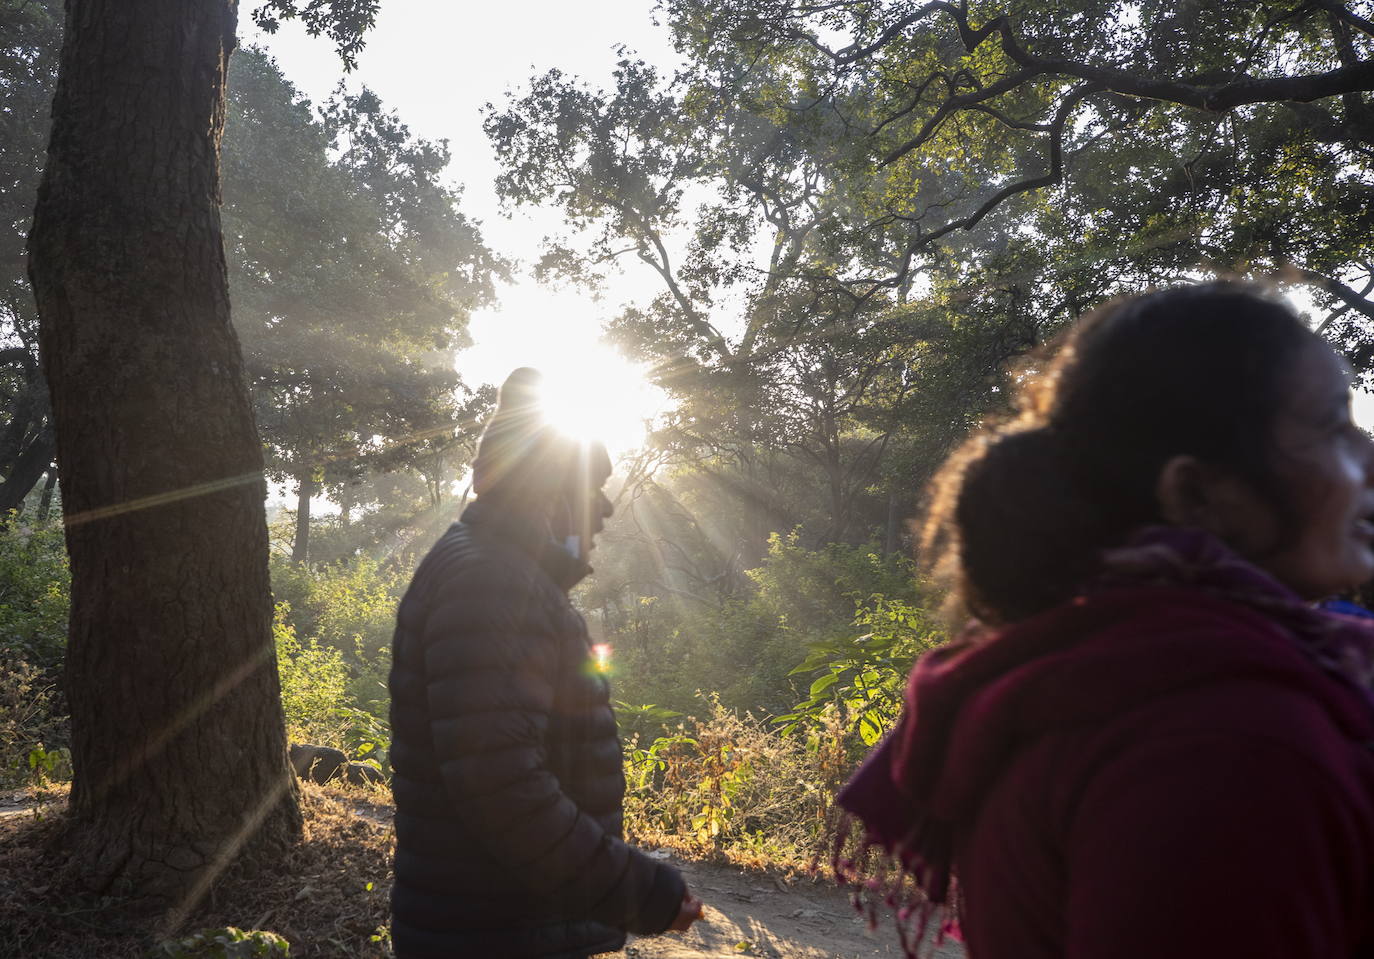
<point>436,65</point>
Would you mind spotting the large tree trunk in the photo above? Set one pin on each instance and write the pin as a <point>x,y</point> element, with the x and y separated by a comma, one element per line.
<point>177,740</point>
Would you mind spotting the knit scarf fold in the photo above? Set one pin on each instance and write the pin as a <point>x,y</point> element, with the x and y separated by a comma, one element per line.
<point>1339,644</point>
<point>903,857</point>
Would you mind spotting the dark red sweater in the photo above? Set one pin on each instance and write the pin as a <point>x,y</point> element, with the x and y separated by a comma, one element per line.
<point>1153,772</point>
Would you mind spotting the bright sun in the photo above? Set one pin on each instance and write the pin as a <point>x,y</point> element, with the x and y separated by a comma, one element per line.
<point>591,390</point>
<point>597,394</point>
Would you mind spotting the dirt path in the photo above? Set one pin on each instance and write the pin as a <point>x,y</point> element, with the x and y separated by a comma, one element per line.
<point>15,804</point>
<point>758,914</point>
<point>747,913</point>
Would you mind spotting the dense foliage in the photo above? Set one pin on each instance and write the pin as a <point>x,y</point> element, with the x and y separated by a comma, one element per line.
<point>741,642</point>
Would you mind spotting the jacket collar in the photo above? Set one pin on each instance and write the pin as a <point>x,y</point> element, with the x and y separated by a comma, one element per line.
<point>531,535</point>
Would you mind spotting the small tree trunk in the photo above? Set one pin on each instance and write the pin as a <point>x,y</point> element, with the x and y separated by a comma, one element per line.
<point>19,432</point>
<point>305,491</point>
<point>178,746</point>
<point>27,471</point>
<point>894,524</point>
<point>45,501</point>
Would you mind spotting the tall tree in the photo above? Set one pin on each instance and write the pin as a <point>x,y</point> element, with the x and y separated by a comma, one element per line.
<point>178,747</point>
<point>353,273</point>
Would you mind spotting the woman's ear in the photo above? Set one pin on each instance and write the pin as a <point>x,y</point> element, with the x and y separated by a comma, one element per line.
<point>1183,491</point>
<point>1192,493</point>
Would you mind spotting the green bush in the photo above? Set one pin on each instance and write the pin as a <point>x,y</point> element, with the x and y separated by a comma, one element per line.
<point>747,647</point>
<point>35,592</point>
<point>33,732</point>
<point>350,607</point>
<point>313,684</point>
<point>35,595</point>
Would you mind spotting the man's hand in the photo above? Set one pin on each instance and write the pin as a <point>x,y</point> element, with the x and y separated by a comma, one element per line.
<point>687,913</point>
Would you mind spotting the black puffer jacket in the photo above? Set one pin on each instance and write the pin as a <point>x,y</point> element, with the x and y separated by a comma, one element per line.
<point>507,765</point>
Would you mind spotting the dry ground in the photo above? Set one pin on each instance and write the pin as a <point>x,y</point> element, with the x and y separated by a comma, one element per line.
<point>319,899</point>
<point>329,899</point>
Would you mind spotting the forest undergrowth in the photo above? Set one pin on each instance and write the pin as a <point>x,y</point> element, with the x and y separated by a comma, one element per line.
<point>712,775</point>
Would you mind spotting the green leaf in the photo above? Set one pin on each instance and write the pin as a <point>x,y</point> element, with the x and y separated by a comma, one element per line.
<point>824,683</point>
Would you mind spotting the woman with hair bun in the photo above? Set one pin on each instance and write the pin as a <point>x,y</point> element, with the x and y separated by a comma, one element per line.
<point>1149,742</point>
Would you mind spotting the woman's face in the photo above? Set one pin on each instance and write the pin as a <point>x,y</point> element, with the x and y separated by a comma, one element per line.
<point>1325,465</point>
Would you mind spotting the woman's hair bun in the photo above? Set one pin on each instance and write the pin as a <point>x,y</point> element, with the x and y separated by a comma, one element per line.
<point>1019,522</point>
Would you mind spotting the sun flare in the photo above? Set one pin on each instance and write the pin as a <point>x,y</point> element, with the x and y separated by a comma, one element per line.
<point>590,389</point>
<point>599,395</point>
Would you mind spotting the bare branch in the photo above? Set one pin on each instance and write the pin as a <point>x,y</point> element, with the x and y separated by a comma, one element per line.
<point>953,105</point>
<point>1352,298</point>
<point>1053,176</point>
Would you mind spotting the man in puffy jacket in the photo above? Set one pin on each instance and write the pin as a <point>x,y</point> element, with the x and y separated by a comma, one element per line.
<point>507,764</point>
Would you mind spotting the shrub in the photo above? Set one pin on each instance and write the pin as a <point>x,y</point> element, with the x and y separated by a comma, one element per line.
<point>732,784</point>
<point>313,683</point>
<point>225,943</point>
<point>33,734</point>
<point>35,592</point>
<point>862,676</point>
<point>349,606</point>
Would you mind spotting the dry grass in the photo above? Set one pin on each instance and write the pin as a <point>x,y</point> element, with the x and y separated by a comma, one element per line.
<point>328,898</point>
<point>732,788</point>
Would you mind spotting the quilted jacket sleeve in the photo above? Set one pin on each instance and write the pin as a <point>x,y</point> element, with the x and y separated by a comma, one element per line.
<point>491,659</point>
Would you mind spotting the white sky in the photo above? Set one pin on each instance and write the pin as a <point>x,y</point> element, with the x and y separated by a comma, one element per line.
<point>436,65</point>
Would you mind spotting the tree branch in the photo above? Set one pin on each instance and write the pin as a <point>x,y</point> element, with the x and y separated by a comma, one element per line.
<point>1349,16</point>
<point>1055,174</point>
<point>1352,298</point>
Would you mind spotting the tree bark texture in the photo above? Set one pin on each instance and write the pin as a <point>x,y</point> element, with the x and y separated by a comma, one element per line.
<point>178,748</point>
